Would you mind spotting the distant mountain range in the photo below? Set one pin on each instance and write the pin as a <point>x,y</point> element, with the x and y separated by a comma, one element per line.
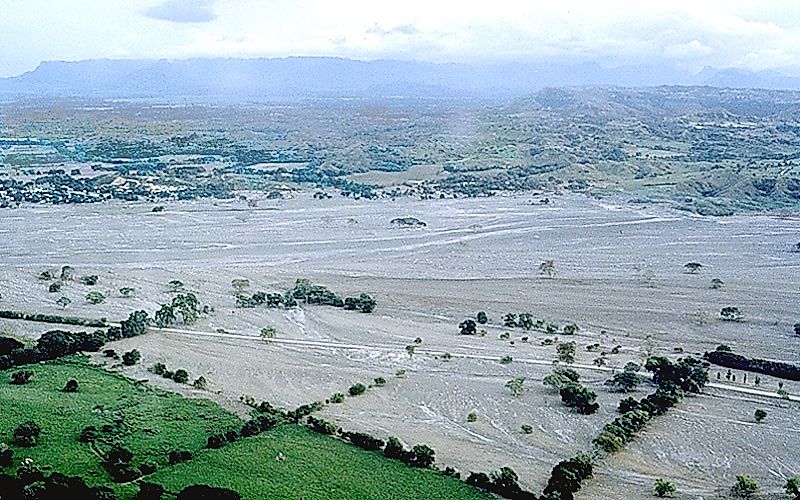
<point>300,77</point>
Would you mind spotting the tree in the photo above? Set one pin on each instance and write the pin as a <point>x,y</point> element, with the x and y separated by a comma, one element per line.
<point>6,456</point>
<point>165,316</point>
<point>566,352</point>
<point>357,389</point>
<point>410,350</point>
<point>745,486</point>
<point>506,360</point>
<point>760,415</point>
<point>268,333</point>
<point>625,381</point>
<point>200,383</point>
<point>793,487</point>
<point>180,376</point>
<point>337,397</point>
<point>27,434</point>
<point>63,302</point>
<point>516,386</point>
<point>127,292</point>
<point>571,329</point>
<point>560,378</point>
<point>422,456</point>
<point>664,488</point>
<point>716,284</point>
<point>731,314</point>
<point>54,287</point>
<point>394,449</point>
<point>71,386</point>
<point>692,267</point>
<point>67,272</point>
<point>548,268</point>
<point>579,397</point>
<point>510,320</point>
<point>467,327</point>
<point>95,297</point>
<point>527,428</point>
<point>240,285</point>
<point>797,328</point>
<point>472,417</point>
<point>131,357</point>
<point>482,318</point>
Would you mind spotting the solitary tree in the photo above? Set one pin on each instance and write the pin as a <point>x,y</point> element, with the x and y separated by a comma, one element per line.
<point>663,488</point>
<point>731,314</point>
<point>268,333</point>
<point>760,415</point>
<point>797,328</point>
<point>548,268</point>
<point>467,327</point>
<point>516,386</point>
<point>482,318</point>
<point>71,386</point>
<point>566,352</point>
<point>27,434</point>
<point>745,486</point>
<point>716,284</point>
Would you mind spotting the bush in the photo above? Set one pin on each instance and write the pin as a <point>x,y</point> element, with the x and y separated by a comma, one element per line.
<point>472,417</point>
<point>180,376</point>
<point>745,486</point>
<point>27,434</point>
<point>21,377</point>
<point>760,415</point>
<point>337,398</point>
<point>357,389</point>
<point>526,428</point>
<point>467,327</point>
<point>792,487</point>
<point>54,287</point>
<point>506,360</point>
<point>71,386</point>
<point>200,383</point>
<point>482,318</point>
<point>379,382</point>
<point>158,369</point>
<point>131,357</point>
<point>322,426</point>
<point>95,297</point>
<point>731,314</point>
<point>663,488</point>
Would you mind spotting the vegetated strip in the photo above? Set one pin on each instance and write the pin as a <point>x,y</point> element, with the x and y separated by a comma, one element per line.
<point>774,368</point>
<point>674,380</point>
<point>54,318</point>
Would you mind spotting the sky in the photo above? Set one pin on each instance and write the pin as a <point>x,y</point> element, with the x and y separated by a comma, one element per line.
<point>748,34</point>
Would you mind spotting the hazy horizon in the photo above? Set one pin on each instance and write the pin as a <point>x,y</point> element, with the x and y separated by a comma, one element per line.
<point>683,35</point>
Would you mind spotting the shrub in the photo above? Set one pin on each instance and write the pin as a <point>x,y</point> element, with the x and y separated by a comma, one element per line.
<point>131,357</point>
<point>322,426</point>
<point>21,377</point>
<point>792,487</point>
<point>27,434</point>
<point>90,280</point>
<point>482,318</point>
<point>379,382</point>
<point>506,360</point>
<point>54,287</point>
<point>71,386</point>
<point>745,486</point>
<point>663,488</point>
<point>158,368</point>
<point>731,314</point>
<point>356,389</point>
<point>110,353</point>
<point>526,428</point>
<point>337,398</point>
<point>200,383</point>
<point>95,297</point>
<point>472,417</point>
<point>467,327</point>
<point>571,329</point>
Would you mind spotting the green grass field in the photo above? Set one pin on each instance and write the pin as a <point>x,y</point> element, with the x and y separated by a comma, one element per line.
<point>153,422</point>
<point>315,467</point>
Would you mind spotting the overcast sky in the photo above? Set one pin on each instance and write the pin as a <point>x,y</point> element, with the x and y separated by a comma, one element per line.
<point>690,34</point>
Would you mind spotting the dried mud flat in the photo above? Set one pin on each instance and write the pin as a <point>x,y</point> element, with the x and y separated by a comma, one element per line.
<point>619,275</point>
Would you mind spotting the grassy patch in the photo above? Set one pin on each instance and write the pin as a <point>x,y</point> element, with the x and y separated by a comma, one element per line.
<point>315,467</point>
<point>147,421</point>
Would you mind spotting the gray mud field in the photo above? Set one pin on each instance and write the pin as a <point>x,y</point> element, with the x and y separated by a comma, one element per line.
<point>619,276</point>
